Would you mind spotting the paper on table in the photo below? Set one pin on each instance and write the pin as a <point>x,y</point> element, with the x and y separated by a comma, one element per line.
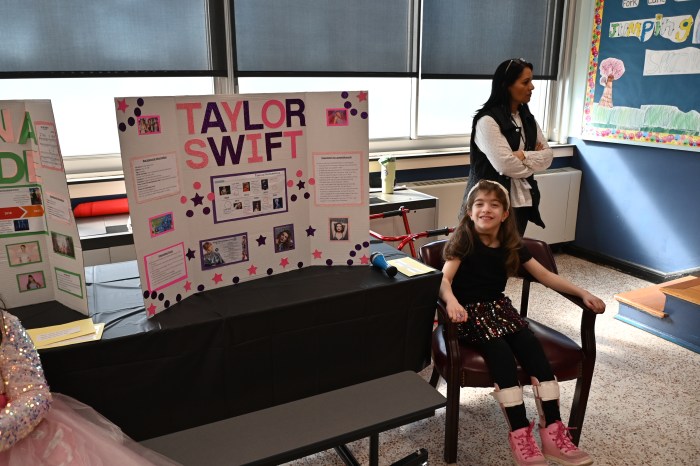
<point>410,267</point>
<point>71,341</point>
<point>48,335</point>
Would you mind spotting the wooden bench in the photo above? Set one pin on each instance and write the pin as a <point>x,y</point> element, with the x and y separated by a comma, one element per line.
<point>307,426</point>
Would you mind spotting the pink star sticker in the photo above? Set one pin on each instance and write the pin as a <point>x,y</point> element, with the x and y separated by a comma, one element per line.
<point>364,260</point>
<point>217,278</point>
<point>122,105</point>
<point>151,310</point>
<point>317,254</point>
<point>362,96</point>
<point>188,285</point>
<point>252,270</point>
<point>284,262</point>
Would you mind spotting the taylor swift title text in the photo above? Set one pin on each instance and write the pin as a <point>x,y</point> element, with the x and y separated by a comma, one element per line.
<point>267,128</point>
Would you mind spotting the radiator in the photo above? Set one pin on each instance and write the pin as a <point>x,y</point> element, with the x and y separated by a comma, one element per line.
<point>559,205</point>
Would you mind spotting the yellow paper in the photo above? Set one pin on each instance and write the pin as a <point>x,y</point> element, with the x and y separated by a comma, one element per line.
<point>71,341</point>
<point>48,335</point>
<point>410,267</point>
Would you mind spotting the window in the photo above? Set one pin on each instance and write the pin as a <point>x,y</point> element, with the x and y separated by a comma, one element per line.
<point>84,108</point>
<point>447,106</point>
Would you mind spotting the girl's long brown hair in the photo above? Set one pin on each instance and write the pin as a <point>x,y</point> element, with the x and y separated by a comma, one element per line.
<point>461,243</point>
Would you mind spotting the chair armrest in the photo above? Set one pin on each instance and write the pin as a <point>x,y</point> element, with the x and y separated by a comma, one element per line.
<point>588,317</point>
<point>454,361</point>
<point>444,319</point>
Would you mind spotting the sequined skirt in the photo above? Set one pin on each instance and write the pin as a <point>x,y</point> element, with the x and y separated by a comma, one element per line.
<point>491,319</point>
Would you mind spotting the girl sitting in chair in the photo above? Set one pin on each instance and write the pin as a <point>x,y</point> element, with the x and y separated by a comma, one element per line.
<point>483,251</point>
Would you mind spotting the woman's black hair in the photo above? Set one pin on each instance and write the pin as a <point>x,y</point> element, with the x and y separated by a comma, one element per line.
<point>506,74</point>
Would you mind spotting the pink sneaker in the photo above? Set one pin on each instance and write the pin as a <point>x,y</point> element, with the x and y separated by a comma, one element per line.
<point>557,446</point>
<point>524,448</point>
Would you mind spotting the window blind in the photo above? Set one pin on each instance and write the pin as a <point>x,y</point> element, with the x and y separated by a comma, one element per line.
<point>74,38</point>
<point>323,37</point>
<point>470,38</point>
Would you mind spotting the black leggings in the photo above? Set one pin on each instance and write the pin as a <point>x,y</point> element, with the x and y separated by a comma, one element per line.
<point>522,215</point>
<point>499,356</point>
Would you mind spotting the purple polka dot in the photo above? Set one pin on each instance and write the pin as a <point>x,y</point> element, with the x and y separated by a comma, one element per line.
<point>329,262</point>
<point>269,271</point>
<point>344,95</point>
<point>307,195</point>
<point>353,112</point>
<point>347,105</point>
<point>137,112</point>
<point>131,121</point>
<point>236,280</point>
<point>300,264</point>
<point>166,303</point>
<point>178,298</point>
<point>122,127</point>
<point>154,294</point>
<point>200,288</point>
<point>353,253</point>
<point>350,262</point>
<point>293,198</point>
<point>146,294</point>
<point>364,115</point>
<point>365,244</point>
<point>189,213</point>
<point>358,247</point>
<point>161,297</point>
<point>206,210</point>
<point>139,101</point>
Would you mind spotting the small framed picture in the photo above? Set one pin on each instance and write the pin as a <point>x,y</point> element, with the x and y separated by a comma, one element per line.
<point>31,281</point>
<point>284,238</point>
<point>149,124</point>
<point>28,252</point>
<point>338,229</point>
<point>62,244</point>
<point>336,116</point>
<point>161,224</point>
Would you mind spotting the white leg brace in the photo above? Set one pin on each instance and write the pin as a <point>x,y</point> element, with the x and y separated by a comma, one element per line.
<point>544,391</point>
<point>508,397</point>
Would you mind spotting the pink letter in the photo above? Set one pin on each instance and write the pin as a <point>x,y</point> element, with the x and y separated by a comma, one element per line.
<point>189,108</point>
<point>196,153</point>
<point>266,107</point>
<point>254,138</point>
<point>292,135</point>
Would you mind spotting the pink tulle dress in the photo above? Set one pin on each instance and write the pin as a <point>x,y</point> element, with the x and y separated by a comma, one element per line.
<point>40,428</point>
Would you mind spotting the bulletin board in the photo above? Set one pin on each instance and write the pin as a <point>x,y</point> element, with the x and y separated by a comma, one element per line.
<point>643,84</point>
<point>225,189</point>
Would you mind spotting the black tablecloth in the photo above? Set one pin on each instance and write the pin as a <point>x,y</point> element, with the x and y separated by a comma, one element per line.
<point>237,349</point>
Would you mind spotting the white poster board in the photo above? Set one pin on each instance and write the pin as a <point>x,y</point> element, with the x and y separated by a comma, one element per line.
<point>229,188</point>
<point>41,258</point>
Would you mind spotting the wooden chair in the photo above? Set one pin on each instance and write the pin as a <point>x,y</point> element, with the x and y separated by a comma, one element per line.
<point>462,366</point>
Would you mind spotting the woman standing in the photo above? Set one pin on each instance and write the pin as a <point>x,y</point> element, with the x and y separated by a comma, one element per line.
<point>507,144</point>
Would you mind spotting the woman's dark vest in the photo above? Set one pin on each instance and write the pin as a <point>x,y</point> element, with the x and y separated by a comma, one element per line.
<point>481,168</point>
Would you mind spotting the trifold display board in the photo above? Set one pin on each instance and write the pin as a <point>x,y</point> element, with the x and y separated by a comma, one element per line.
<point>228,188</point>
<point>40,254</point>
